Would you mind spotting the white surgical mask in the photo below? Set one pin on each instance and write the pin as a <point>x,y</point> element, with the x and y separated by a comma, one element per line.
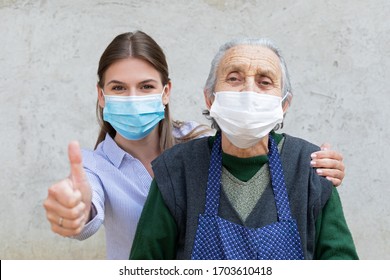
<point>246,117</point>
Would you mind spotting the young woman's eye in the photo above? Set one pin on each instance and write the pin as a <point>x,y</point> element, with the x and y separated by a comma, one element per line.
<point>118,88</point>
<point>147,87</point>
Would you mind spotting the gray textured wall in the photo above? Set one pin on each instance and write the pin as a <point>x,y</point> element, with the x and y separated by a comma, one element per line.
<point>338,53</point>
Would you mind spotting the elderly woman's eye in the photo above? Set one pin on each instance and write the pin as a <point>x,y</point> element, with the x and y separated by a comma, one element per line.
<point>233,77</point>
<point>264,81</point>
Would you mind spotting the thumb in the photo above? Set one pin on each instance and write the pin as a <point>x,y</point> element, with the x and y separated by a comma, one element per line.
<point>77,172</point>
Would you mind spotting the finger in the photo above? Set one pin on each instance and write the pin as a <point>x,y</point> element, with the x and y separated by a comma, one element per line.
<point>64,194</point>
<point>66,232</point>
<point>63,221</point>
<point>66,226</point>
<point>325,146</point>
<point>336,182</point>
<point>69,223</point>
<point>328,163</point>
<point>54,210</point>
<point>331,173</point>
<point>78,176</point>
<point>327,154</point>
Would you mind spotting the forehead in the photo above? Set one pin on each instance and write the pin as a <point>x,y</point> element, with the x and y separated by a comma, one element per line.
<point>251,59</point>
<point>131,68</point>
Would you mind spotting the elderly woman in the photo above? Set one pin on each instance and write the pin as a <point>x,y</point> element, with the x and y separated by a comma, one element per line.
<point>247,192</point>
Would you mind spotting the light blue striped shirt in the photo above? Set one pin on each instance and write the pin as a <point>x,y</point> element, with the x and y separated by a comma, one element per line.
<point>120,185</point>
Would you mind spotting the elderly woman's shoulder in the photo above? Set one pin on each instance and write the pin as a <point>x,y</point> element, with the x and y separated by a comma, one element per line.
<point>297,144</point>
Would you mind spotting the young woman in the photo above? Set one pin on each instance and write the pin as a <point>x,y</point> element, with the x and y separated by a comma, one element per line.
<point>110,184</point>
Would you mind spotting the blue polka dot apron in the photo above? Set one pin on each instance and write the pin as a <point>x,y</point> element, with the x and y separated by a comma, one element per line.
<point>217,238</point>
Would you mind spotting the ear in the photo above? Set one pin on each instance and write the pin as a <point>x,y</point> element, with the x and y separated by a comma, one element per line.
<point>100,96</point>
<point>207,99</point>
<point>167,93</point>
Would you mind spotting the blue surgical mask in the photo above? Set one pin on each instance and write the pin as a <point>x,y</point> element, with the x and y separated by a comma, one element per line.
<point>133,117</point>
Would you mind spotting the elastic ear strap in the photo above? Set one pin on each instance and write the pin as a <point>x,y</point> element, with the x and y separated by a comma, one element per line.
<point>286,101</point>
<point>163,90</point>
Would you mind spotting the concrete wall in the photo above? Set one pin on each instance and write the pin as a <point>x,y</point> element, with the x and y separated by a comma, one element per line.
<point>338,53</point>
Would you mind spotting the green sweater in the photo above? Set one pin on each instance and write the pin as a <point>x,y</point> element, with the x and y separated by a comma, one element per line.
<point>157,231</point>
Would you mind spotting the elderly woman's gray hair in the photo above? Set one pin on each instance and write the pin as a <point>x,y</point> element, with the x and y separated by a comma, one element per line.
<point>264,42</point>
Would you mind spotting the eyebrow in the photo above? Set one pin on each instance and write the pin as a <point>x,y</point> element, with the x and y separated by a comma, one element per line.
<point>148,81</point>
<point>267,72</point>
<point>123,83</point>
<point>233,68</point>
<point>115,82</point>
<point>241,67</point>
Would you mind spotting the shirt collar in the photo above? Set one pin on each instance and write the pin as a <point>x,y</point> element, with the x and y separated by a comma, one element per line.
<point>114,153</point>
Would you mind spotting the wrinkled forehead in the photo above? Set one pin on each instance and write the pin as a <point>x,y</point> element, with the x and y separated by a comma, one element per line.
<point>250,59</point>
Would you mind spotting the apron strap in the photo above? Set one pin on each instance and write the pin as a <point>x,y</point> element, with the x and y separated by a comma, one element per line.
<point>214,178</point>
<point>278,182</point>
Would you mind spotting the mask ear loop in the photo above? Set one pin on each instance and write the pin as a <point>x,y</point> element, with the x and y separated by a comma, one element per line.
<point>162,93</point>
<point>104,95</point>
<point>286,101</point>
<point>163,90</point>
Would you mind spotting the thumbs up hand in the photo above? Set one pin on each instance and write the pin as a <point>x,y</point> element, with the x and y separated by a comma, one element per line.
<point>68,204</point>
